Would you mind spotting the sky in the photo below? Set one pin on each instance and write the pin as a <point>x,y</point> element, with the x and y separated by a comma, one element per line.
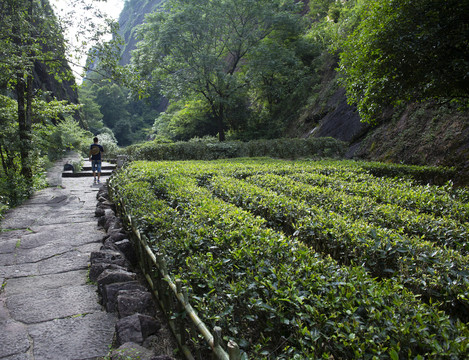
<point>63,9</point>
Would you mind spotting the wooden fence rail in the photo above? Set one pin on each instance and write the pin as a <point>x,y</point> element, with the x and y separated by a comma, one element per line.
<point>174,301</point>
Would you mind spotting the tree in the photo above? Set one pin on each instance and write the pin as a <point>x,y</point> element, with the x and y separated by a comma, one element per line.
<point>90,110</point>
<point>405,51</point>
<point>18,48</point>
<point>280,76</point>
<point>31,44</point>
<point>197,48</point>
<point>30,36</point>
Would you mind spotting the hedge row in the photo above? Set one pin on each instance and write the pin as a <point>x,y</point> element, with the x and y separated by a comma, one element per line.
<point>270,293</point>
<point>444,230</point>
<point>434,200</point>
<point>428,270</point>
<point>278,148</point>
<point>437,175</point>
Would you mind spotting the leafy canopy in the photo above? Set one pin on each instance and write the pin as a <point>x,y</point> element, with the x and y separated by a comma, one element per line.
<point>405,51</point>
<point>198,48</point>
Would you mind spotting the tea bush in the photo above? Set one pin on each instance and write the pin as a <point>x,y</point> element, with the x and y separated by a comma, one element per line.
<point>205,150</point>
<point>244,251</point>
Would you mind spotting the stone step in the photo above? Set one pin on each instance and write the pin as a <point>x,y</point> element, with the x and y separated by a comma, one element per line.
<point>84,173</point>
<point>106,170</point>
<point>103,167</point>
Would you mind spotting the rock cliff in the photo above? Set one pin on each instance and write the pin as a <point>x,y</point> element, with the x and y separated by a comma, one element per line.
<point>131,16</point>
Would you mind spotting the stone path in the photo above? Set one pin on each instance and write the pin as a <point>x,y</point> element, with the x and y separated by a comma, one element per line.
<point>48,310</point>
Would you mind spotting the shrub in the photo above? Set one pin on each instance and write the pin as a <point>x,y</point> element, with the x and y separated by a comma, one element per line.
<point>265,288</point>
<point>206,149</point>
<point>67,135</point>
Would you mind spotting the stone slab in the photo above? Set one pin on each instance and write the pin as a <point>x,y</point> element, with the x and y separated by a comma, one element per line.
<point>8,246</point>
<point>47,308</point>
<point>76,259</point>
<point>50,241</point>
<point>69,217</point>
<point>21,218</point>
<point>21,356</point>
<point>73,260</point>
<point>46,305</point>
<point>14,339</point>
<point>82,337</point>
<point>9,239</point>
<point>63,231</point>
<point>13,335</point>
<point>25,285</point>
<point>53,198</point>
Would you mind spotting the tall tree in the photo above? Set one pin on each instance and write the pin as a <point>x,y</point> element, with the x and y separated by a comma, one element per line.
<point>195,49</point>
<point>29,35</point>
<point>406,50</point>
<point>31,44</point>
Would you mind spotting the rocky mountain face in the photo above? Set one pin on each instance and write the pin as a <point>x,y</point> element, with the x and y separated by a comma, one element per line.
<point>61,89</point>
<point>418,134</point>
<point>131,16</point>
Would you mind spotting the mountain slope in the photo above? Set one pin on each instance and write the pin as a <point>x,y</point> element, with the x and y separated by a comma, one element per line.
<point>131,16</point>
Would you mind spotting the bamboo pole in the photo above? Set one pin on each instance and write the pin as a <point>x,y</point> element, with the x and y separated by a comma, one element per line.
<point>183,300</point>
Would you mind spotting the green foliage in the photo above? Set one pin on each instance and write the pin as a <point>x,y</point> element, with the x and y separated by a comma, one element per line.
<point>207,150</point>
<point>331,228</point>
<point>67,135</point>
<point>48,140</point>
<point>92,115</point>
<point>113,106</point>
<point>438,175</point>
<point>182,122</point>
<point>405,51</point>
<point>279,81</point>
<point>109,143</point>
<point>263,286</point>
<point>13,190</point>
<point>198,50</point>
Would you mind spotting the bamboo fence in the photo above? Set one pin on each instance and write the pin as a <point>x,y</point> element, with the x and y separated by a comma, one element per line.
<point>173,299</point>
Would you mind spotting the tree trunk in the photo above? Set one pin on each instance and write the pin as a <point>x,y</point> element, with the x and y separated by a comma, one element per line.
<point>4,163</point>
<point>24,129</point>
<point>24,92</point>
<point>220,124</point>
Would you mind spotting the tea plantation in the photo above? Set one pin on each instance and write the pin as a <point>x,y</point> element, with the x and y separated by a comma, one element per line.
<point>311,259</point>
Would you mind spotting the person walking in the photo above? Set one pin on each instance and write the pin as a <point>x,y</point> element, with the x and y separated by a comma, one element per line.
<point>95,157</point>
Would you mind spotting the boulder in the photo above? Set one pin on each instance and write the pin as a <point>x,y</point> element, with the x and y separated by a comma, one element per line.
<point>97,268</point>
<point>136,328</point>
<point>111,222</point>
<point>68,167</point>
<point>109,245</point>
<point>135,301</point>
<point>113,276</point>
<point>106,256</point>
<point>99,212</point>
<point>115,236</point>
<point>109,212</point>
<point>101,221</point>
<point>106,204</point>
<point>111,291</point>
<point>114,226</point>
<point>130,350</point>
<point>103,191</point>
<point>126,247</point>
